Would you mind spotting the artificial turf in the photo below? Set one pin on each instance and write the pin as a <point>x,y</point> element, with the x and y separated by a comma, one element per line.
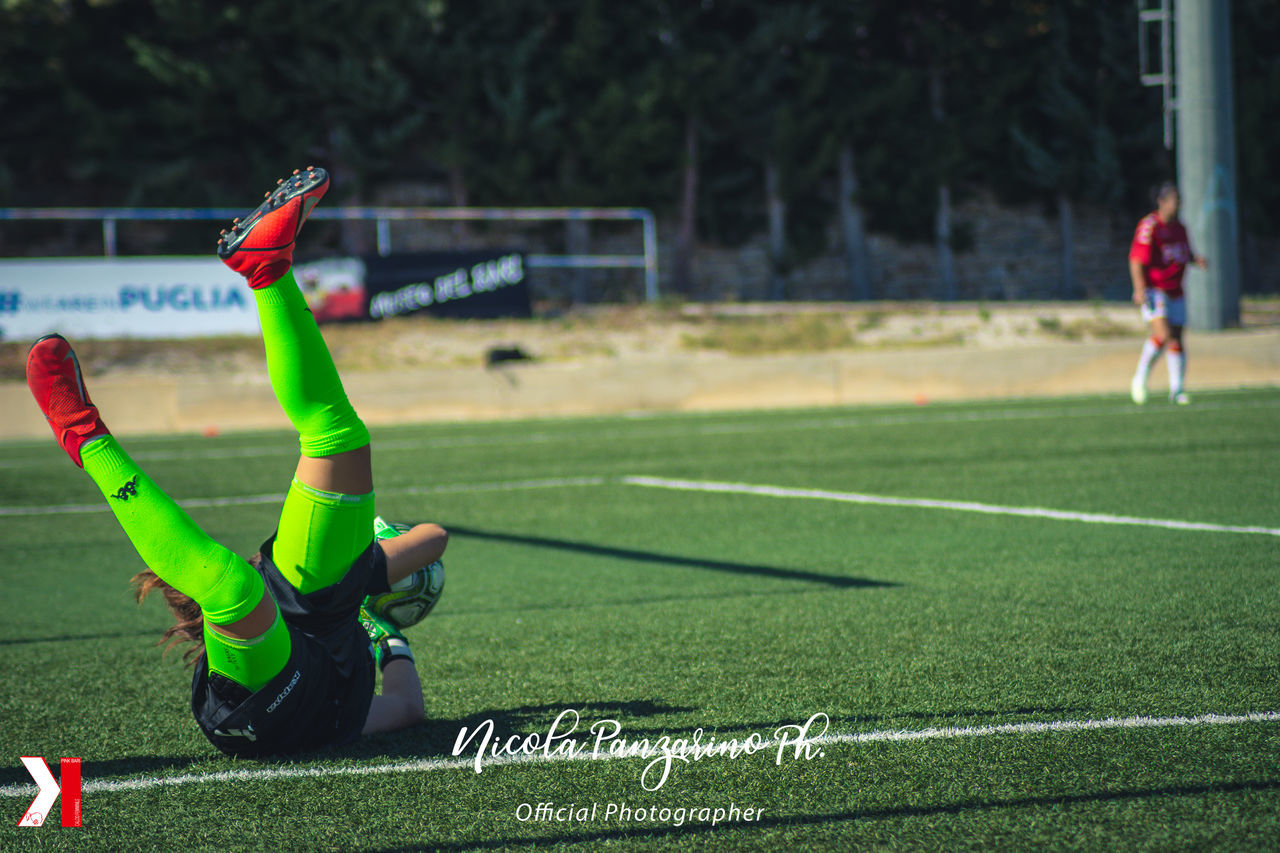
<point>668,610</point>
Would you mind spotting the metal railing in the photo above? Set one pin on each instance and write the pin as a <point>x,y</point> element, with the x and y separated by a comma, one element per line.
<point>382,217</point>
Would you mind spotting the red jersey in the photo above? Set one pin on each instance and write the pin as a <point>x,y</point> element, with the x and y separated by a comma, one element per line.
<point>1164,252</point>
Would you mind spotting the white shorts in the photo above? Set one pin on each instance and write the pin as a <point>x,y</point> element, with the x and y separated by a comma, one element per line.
<point>1160,304</point>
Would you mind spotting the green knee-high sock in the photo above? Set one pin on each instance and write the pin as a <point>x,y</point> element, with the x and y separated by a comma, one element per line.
<point>302,373</point>
<point>251,663</point>
<point>171,544</point>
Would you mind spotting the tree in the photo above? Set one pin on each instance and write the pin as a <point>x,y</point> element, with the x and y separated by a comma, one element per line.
<point>907,154</point>
<point>688,80</point>
<point>1076,134</point>
<point>848,112</point>
<point>616,143</point>
<point>1059,141</point>
<point>735,118</point>
<point>775,117</point>
<point>1256,78</point>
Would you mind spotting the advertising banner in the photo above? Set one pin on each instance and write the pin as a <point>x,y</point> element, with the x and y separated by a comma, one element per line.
<point>123,298</point>
<point>471,284</point>
<point>190,297</point>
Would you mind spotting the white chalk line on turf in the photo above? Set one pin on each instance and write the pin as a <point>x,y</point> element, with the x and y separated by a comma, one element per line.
<point>768,423</point>
<point>930,503</point>
<point>269,774</point>
<point>253,500</point>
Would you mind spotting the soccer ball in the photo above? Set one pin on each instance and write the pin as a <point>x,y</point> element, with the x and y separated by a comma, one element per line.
<point>411,599</point>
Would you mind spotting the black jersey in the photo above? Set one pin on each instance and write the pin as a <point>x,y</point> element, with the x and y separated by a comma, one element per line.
<point>322,695</point>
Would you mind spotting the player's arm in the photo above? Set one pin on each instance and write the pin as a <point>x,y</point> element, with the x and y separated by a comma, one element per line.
<point>1140,256</point>
<point>400,703</point>
<point>1196,260</point>
<point>420,546</point>
<point>1138,273</point>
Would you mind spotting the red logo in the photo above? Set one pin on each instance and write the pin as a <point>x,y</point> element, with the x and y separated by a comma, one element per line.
<point>50,789</point>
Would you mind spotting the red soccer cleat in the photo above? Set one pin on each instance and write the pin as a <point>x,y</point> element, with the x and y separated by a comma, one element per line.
<point>53,375</point>
<point>260,246</point>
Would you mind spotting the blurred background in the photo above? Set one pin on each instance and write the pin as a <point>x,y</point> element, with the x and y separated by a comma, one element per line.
<point>817,150</point>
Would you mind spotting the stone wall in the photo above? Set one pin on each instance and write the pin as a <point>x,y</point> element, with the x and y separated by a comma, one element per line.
<point>1015,254</point>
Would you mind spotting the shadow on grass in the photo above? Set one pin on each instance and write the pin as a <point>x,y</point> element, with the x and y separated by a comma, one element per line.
<point>689,832</point>
<point>668,559</point>
<point>525,607</point>
<point>842,582</point>
<point>72,638</point>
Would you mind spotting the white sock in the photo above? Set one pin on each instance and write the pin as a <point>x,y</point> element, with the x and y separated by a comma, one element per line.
<point>1177,370</point>
<point>1150,352</point>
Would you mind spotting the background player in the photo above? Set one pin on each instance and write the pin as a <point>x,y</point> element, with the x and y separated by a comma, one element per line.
<point>1158,257</point>
<point>286,662</point>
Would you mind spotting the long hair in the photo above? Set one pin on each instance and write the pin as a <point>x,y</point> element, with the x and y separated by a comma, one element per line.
<point>188,624</point>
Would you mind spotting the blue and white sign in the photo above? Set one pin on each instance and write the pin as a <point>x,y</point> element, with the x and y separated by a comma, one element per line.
<point>123,298</point>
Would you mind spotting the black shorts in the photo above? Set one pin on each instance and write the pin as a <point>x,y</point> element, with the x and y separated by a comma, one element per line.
<point>321,697</point>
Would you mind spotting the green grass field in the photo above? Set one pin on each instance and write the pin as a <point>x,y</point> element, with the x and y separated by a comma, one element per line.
<point>594,569</point>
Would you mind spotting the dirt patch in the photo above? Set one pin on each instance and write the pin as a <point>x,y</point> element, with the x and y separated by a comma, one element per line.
<point>622,333</point>
<point>646,358</point>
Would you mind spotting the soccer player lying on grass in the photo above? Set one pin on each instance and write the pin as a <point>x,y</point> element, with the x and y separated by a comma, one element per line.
<point>286,649</point>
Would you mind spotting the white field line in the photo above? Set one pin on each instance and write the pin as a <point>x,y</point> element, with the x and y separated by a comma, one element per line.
<point>251,500</point>
<point>575,432</point>
<point>929,503</point>
<point>268,774</point>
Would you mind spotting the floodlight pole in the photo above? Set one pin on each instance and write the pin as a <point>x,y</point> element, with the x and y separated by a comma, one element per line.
<point>1206,153</point>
